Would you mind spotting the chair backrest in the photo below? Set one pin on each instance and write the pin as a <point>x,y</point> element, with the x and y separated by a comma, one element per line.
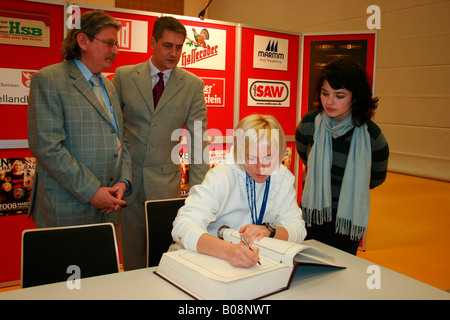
<point>159,216</point>
<point>48,252</point>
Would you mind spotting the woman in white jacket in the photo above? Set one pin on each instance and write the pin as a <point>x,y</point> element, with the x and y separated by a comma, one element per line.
<point>252,193</point>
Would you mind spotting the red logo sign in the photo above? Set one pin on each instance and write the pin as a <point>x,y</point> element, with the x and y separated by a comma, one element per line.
<point>124,34</point>
<point>269,91</point>
<point>26,77</point>
<point>214,91</point>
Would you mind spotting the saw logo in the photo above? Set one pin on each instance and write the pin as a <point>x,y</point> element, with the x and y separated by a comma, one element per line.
<point>204,49</point>
<point>268,93</point>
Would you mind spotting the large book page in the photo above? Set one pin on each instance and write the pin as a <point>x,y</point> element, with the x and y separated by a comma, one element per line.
<point>314,256</point>
<point>285,252</point>
<point>274,249</point>
<point>220,269</point>
<point>208,277</point>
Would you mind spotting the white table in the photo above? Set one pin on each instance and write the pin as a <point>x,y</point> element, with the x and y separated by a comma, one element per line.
<point>310,282</point>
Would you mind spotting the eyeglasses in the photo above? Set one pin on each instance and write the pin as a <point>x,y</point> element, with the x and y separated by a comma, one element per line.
<point>109,43</point>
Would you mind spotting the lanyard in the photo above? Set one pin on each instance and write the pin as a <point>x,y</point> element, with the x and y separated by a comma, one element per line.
<point>251,198</point>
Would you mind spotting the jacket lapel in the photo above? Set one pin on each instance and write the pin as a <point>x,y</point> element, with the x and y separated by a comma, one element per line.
<point>115,105</point>
<point>82,85</point>
<point>143,81</point>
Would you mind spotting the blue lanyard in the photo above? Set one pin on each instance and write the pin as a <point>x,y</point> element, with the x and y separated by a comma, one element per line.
<point>251,198</point>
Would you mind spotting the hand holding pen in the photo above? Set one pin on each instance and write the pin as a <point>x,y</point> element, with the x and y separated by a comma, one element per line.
<point>245,242</point>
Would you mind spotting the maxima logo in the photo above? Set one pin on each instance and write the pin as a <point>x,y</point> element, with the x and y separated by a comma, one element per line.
<point>270,53</point>
<point>268,93</point>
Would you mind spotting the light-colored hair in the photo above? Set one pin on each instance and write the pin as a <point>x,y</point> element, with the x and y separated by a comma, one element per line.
<point>258,129</point>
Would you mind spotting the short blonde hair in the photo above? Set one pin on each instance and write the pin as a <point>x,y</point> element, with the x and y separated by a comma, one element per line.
<point>254,130</point>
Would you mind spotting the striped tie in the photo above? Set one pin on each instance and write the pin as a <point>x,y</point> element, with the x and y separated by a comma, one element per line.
<point>95,81</point>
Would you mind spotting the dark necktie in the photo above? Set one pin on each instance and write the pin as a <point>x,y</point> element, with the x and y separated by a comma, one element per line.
<point>158,89</point>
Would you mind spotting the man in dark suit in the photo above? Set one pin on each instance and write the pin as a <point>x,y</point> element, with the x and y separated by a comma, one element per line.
<point>83,164</point>
<point>149,127</point>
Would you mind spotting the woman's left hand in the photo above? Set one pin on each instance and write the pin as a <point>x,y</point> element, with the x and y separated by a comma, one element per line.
<point>252,232</point>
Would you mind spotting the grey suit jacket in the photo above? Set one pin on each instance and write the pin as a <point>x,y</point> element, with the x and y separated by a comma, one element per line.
<point>149,131</point>
<point>74,142</point>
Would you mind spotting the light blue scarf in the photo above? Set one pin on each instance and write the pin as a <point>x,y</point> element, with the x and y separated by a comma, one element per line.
<point>354,200</point>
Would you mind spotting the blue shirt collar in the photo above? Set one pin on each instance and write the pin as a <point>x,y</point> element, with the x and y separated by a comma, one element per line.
<point>85,71</point>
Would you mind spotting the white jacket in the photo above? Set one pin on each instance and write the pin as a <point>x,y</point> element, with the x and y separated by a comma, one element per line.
<point>221,199</point>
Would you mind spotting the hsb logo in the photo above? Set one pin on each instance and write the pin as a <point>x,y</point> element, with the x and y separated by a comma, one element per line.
<point>16,28</point>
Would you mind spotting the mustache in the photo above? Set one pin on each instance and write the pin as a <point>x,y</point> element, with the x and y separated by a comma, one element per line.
<point>111,57</point>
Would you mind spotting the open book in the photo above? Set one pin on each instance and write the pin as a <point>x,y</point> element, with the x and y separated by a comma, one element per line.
<point>207,277</point>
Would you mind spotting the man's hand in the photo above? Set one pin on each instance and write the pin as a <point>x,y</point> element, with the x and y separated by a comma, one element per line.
<point>109,199</point>
<point>122,187</point>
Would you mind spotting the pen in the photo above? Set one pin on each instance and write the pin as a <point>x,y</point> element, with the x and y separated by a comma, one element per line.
<point>245,242</point>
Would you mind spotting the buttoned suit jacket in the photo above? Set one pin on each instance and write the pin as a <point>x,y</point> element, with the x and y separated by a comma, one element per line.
<point>73,140</point>
<point>154,134</point>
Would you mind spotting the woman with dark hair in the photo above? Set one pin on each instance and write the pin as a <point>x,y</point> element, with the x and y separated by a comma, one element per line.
<point>345,154</point>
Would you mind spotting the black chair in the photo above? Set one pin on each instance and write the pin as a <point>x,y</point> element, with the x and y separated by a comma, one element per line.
<point>159,215</point>
<point>47,253</point>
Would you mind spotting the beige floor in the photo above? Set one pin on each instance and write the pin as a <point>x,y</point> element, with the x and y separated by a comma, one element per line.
<point>409,228</point>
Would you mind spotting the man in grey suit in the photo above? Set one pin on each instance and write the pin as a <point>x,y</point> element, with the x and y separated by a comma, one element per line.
<point>83,165</point>
<point>153,130</point>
